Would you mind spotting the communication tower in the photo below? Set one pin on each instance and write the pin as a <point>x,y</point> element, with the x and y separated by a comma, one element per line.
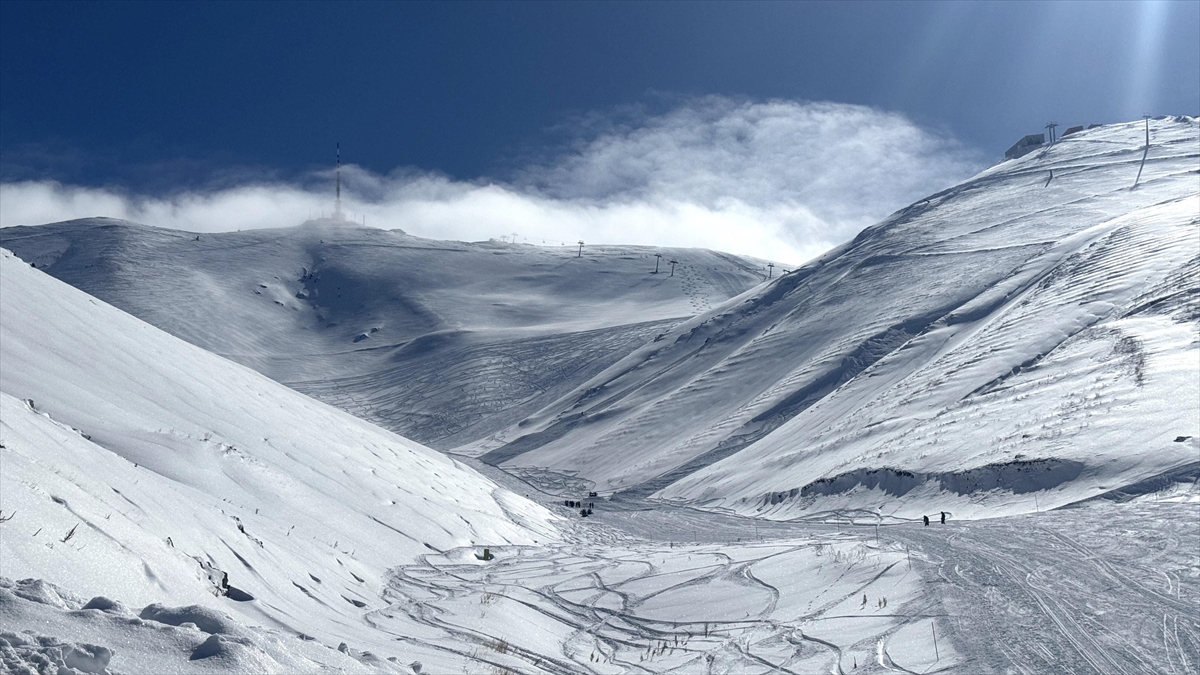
<point>337,186</point>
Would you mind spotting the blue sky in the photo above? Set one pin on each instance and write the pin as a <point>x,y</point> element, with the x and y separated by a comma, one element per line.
<point>153,99</point>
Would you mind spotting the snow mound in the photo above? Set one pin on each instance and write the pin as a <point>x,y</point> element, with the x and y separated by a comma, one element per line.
<point>66,641</point>
<point>205,618</point>
<point>34,655</point>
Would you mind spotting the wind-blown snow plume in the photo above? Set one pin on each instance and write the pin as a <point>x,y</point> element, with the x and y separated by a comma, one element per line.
<point>779,179</point>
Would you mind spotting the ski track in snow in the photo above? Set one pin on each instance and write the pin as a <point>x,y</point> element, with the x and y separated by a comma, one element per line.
<point>594,602</point>
<point>643,586</point>
<point>631,591</point>
<point>1025,594</point>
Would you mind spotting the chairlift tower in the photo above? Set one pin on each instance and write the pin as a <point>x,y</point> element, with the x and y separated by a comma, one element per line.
<point>580,254</point>
<point>657,259</point>
<point>1050,127</point>
<point>673,264</point>
<point>770,270</point>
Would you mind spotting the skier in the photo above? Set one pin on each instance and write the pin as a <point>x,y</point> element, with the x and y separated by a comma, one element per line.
<point>926,519</point>
<point>943,517</point>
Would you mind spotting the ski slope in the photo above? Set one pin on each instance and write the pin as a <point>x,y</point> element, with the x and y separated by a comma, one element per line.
<point>142,468</point>
<point>442,342</point>
<point>1028,335</point>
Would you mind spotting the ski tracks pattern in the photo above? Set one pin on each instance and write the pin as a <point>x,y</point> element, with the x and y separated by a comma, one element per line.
<point>605,602</point>
<point>1024,594</point>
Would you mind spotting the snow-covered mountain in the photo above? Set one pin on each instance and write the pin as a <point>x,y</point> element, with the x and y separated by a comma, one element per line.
<point>1011,336</point>
<point>1022,341</point>
<point>140,467</point>
<point>442,342</point>
<point>1029,334</point>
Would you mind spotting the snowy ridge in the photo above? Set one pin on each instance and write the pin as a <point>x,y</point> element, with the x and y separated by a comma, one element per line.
<point>146,469</point>
<point>442,342</point>
<point>1040,312</point>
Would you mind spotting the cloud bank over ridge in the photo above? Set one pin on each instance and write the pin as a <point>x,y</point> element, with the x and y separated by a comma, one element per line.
<point>783,180</point>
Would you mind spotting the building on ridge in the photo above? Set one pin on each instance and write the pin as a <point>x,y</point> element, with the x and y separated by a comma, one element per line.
<point>1025,146</point>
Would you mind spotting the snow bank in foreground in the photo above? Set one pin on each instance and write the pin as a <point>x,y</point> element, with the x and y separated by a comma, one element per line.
<point>69,636</point>
<point>140,467</point>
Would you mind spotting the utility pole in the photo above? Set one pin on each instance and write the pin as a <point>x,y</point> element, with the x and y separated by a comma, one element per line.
<point>580,254</point>
<point>1050,126</point>
<point>770,270</point>
<point>657,258</point>
<point>1145,153</point>
<point>673,264</point>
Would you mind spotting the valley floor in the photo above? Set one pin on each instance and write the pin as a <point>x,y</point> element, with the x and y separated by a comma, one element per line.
<point>639,587</point>
<point>1100,588</point>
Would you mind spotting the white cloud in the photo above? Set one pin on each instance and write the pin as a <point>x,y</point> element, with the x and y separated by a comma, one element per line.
<point>782,180</point>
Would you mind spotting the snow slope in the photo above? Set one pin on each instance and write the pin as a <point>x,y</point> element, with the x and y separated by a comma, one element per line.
<point>143,468</point>
<point>442,342</point>
<point>1008,340</point>
<point>1028,335</point>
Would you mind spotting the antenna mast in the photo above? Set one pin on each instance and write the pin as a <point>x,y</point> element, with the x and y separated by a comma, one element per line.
<point>337,201</point>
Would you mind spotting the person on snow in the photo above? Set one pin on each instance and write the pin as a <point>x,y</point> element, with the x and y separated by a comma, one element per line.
<point>926,519</point>
<point>943,517</point>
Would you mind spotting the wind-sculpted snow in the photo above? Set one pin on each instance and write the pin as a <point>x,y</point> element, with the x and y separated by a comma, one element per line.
<point>142,468</point>
<point>48,629</point>
<point>441,342</point>
<point>1013,318</point>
